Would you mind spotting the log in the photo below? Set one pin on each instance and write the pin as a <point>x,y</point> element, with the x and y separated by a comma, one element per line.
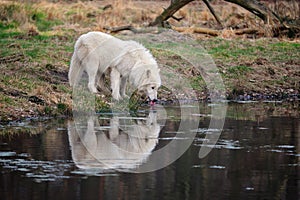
<point>133,29</point>
<point>213,32</point>
<point>246,31</point>
<point>197,30</point>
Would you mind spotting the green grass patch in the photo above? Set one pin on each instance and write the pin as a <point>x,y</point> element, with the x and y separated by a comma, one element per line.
<point>6,100</point>
<point>239,50</point>
<point>42,22</point>
<point>197,83</point>
<point>239,70</point>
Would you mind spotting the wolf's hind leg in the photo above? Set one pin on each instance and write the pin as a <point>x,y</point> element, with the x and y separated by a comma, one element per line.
<point>115,81</point>
<point>101,82</point>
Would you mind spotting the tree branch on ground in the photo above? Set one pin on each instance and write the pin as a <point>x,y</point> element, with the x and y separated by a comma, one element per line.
<point>197,30</point>
<point>211,9</point>
<point>263,12</point>
<point>169,12</point>
<point>258,9</point>
<point>120,28</point>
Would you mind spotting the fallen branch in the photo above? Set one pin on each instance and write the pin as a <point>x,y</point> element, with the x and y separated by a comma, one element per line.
<point>120,28</point>
<point>258,9</point>
<point>133,29</point>
<point>246,31</point>
<point>206,31</point>
<point>197,30</point>
<point>211,9</point>
<point>169,12</point>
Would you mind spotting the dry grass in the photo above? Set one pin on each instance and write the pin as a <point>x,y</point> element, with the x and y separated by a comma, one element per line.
<point>92,15</point>
<point>95,15</point>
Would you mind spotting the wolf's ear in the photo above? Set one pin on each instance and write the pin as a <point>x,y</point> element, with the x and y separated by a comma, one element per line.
<point>148,73</point>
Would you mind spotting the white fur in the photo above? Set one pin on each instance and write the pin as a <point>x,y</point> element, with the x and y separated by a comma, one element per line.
<point>122,146</point>
<point>95,52</point>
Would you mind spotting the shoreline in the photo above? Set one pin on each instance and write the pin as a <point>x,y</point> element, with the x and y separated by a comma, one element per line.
<point>294,103</point>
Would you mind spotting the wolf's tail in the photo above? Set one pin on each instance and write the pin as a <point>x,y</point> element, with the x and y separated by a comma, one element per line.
<point>75,69</point>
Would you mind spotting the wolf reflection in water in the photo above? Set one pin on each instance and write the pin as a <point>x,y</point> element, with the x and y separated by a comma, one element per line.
<point>122,144</point>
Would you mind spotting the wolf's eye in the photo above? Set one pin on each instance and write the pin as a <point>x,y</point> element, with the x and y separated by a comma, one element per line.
<point>152,88</point>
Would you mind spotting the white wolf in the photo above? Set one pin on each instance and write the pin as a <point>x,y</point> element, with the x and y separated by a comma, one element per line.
<point>95,52</point>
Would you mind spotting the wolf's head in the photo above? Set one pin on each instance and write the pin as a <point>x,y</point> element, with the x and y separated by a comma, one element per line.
<point>151,91</point>
<point>150,84</point>
<point>153,84</point>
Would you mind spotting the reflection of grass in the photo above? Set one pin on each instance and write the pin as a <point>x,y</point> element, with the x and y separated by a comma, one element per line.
<point>259,111</point>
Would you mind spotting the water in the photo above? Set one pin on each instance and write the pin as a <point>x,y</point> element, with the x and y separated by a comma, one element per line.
<point>256,157</point>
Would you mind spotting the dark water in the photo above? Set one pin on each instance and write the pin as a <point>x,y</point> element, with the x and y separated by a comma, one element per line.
<point>256,157</point>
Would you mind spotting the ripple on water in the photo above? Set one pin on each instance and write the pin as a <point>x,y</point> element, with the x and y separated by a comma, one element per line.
<point>39,171</point>
<point>217,167</point>
<point>8,154</point>
<point>221,144</point>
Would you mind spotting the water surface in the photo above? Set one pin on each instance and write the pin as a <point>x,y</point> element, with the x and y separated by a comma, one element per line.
<point>256,157</point>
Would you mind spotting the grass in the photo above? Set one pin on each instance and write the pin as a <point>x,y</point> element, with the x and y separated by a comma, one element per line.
<point>239,50</point>
<point>37,41</point>
<point>7,100</point>
<point>239,70</point>
<point>256,66</point>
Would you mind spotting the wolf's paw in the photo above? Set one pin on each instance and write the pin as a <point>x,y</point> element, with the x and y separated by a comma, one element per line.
<point>92,88</point>
<point>116,97</point>
<point>125,96</point>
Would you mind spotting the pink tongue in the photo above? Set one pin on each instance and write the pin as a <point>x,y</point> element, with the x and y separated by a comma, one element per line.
<point>152,103</point>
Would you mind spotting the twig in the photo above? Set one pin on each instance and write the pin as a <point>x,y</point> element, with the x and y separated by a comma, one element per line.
<point>107,7</point>
<point>211,9</point>
<point>177,18</point>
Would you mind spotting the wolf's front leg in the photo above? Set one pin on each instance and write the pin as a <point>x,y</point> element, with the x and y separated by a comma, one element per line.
<point>123,87</point>
<point>92,73</point>
<point>115,81</point>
